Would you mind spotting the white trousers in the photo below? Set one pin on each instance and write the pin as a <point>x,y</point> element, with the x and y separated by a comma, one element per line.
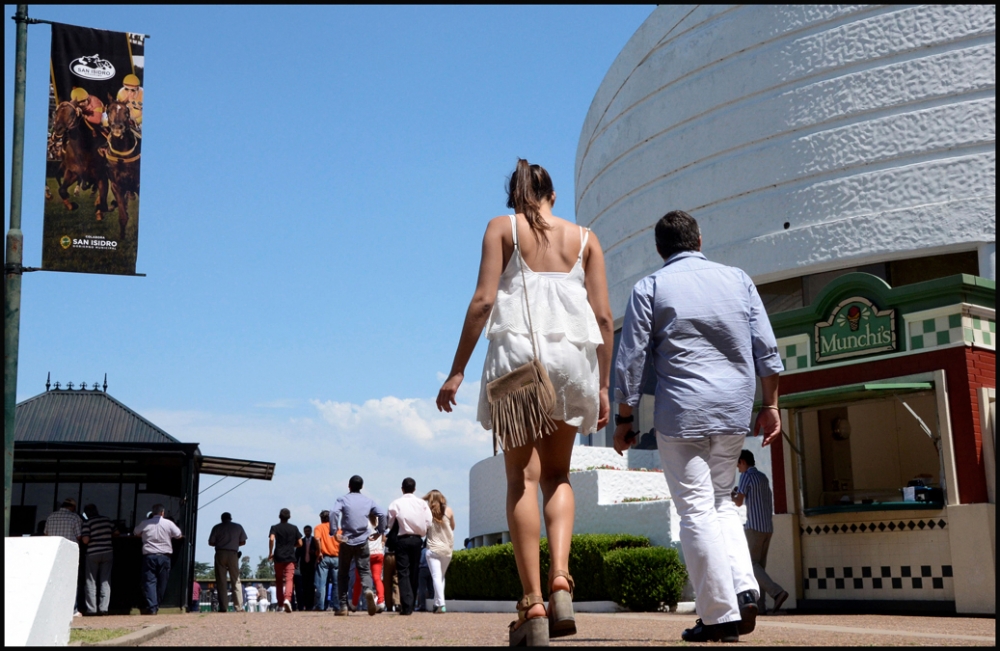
<point>438,565</point>
<point>701,472</point>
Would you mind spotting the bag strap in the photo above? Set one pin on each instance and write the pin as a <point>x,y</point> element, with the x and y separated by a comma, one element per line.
<point>527,307</point>
<point>584,236</point>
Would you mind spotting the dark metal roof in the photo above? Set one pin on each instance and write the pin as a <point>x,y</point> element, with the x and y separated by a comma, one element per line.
<point>227,467</point>
<point>83,416</point>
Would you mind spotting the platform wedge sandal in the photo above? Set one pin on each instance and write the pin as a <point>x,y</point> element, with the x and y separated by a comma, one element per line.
<point>529,632</point>
<point>562,620</point>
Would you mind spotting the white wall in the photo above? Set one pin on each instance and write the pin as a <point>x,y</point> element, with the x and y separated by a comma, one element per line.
<point>870,130</point>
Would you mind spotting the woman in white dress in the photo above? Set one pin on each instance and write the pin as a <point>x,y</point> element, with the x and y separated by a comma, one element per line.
<point>563,272</point>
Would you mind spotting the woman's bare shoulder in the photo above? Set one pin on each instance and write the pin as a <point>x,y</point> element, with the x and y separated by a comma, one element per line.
<point>499,225</point>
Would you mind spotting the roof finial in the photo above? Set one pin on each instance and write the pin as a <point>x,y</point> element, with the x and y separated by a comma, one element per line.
<point>83,386</point>
<point>105,383</point>
<point>57,386</point>
<point>69,385</point>
<point>48,381</point>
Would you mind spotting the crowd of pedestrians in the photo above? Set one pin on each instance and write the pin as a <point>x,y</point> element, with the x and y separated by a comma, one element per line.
<point>699,325</point>
<point>359,556</point>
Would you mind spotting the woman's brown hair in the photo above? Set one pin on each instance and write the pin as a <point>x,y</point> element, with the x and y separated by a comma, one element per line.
<point>436,500</point>
<point>529,185</point>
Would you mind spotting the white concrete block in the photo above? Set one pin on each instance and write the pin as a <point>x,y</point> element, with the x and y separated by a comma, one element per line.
<point>39,590</point>
<point>594,486</point>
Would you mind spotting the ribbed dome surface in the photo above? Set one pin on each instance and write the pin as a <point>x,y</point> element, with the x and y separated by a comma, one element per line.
<point>869,130</point>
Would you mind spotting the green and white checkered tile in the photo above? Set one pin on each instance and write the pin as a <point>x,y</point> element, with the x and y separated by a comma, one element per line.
<point>981,332</point>
<point>935,331</point>
<point>795,352</point>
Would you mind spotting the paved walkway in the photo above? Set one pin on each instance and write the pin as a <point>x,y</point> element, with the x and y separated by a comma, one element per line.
<point>633,629</point>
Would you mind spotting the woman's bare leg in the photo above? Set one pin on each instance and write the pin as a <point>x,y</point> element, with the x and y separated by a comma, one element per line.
<point>522,466</point>
<point>554,453</point>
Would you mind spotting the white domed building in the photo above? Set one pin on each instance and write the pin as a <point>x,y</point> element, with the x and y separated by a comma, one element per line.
<point>844,157</point>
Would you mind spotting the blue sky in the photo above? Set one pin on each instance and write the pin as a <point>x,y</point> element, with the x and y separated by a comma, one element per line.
<point>315,185</point>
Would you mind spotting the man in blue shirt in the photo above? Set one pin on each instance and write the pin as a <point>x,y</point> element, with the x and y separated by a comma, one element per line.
<point>755,491</point>
<point>352,511</point>
<point>709,337</point>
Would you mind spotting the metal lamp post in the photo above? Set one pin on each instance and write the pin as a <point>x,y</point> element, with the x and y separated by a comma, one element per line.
<point>12,265</point>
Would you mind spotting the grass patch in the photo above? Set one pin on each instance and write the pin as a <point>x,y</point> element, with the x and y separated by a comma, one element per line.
<point>91,635</point>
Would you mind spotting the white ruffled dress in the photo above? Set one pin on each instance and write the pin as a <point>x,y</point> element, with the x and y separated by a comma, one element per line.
<point>566,333</point>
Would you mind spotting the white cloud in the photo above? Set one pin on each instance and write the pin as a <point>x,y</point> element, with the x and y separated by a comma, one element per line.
<point>416,419</point>
<point>320,444</point>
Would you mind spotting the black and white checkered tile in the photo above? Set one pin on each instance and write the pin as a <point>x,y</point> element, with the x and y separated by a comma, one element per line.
<point>885,577</point>
<point>875,527</point>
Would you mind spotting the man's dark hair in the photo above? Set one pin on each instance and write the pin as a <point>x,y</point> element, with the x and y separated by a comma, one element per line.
<point>284,515</point>
<point>227,517</point>
<point>324,516</point>
<point>307,528</point>
<point>747,455</point>
<point>157,509</point>
<point>355,484</point>
<point>675,232</point>
<point>90,511</point>
<point>409,485</point>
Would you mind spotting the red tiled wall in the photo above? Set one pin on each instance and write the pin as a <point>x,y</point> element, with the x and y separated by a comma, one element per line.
<point>966,369</point>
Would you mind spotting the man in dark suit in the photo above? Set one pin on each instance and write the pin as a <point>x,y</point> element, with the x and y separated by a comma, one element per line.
<point>306,559</point>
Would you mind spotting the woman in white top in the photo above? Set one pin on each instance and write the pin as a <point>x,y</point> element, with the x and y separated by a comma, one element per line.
<point>563,268</point>
<point>440,544</point>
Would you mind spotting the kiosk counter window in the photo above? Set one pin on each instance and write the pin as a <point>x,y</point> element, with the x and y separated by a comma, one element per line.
<point>874,453</point>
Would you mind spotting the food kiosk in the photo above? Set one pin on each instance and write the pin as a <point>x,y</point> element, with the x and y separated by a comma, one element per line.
<point>884,483</point>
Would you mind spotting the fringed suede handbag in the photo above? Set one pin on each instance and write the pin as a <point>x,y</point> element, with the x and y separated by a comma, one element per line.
<point>521,401</point>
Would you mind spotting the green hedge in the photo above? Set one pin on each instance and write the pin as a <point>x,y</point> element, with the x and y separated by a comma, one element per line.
<point>642,579</point>
<point>490,573</point>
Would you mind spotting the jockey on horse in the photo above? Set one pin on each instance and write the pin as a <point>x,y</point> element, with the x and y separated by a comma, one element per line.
<point>91,109</point>
<point>130,94</point>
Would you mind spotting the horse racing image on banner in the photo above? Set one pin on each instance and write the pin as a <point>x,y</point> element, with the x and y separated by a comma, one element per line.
<point>94,151</point>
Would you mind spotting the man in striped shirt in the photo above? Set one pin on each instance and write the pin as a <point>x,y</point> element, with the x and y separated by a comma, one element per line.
<point>97,532</point>
<point>755,491</point>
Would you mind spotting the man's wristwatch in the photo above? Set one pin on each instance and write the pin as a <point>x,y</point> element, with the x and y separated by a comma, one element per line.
<point>623,420</point>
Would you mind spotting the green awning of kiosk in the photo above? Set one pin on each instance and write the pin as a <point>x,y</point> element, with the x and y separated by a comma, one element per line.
<point>848,393</point>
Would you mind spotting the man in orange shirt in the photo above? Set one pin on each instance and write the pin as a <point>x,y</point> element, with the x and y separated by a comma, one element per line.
<point>327,559</point>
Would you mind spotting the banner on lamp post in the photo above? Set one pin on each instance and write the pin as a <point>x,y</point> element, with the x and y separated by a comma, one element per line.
<point>94,151</point>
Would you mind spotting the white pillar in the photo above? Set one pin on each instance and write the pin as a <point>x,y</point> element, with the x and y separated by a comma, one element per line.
<point>988,260</point>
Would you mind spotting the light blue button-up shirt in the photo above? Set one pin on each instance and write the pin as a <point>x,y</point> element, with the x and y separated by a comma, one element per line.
<point>350,514</point>
<point>709,335</point>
